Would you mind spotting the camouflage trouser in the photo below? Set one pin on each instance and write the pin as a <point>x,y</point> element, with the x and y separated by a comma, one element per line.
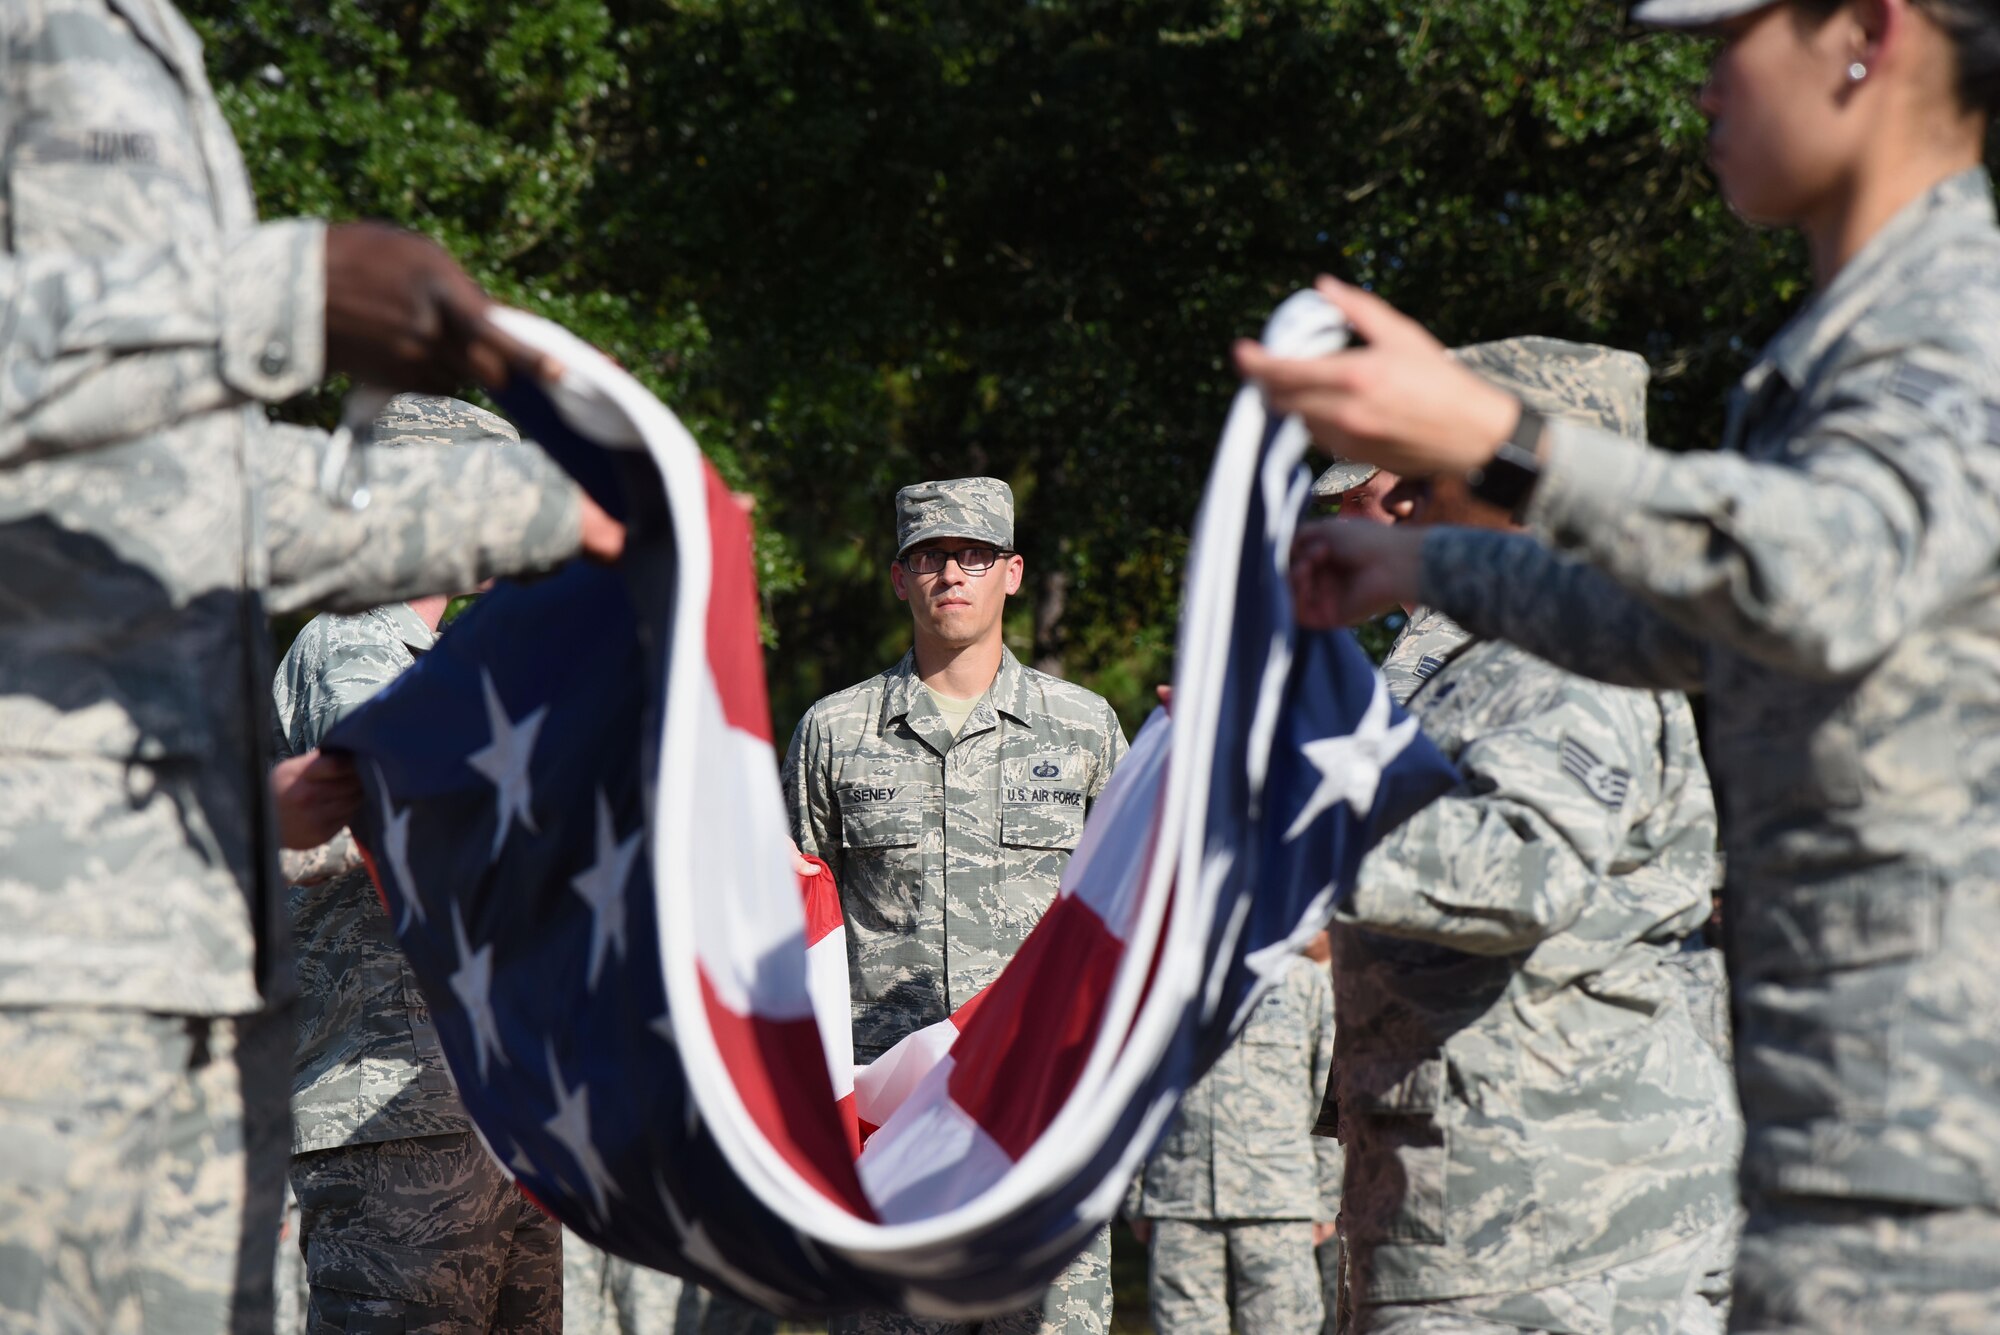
<point>603,1295</point>
<point>290,1280</point>
<point>423,1235</point>
<point>1845,1267</point>
<point>142,1162</point>
<point>1661,1294</point>
<point>1260,1271</point>
<point>1078,1303</point>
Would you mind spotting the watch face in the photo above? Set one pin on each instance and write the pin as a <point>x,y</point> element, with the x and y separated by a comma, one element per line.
<point>1508,478</point>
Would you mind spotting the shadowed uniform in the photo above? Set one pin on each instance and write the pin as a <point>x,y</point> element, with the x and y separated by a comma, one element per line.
<point>1832,578</point>
<point>1538,1137</point>
<point>150,518</point>
<point>405,1219</point>
<point>948,843</point>
<point>603,1295</point>
<point>1236,1186</point>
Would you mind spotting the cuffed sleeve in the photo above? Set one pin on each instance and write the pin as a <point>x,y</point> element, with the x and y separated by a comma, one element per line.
<point>274,310</point>
<point>310,866</point>
<point>1134,1204</point>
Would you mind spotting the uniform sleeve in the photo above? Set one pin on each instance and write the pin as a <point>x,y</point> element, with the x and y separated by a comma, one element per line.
<point>102,348</point>
<point>1328,1159</point>
<point>1509,586</point>
<point>809,794</point>
<point>332,667</point>
<point>1505,861</point>
<point>309,866</point>
<point>441,518</point>
<point>1111,749</point>
<point>330,670</point>
<point>1134,1204</point>
<point>1884,511</point>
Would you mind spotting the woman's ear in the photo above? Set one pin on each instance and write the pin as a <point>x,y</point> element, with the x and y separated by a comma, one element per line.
<point>1873,35</point>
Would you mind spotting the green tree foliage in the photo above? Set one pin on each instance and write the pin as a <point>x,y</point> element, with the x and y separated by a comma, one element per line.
<point>861,243</point>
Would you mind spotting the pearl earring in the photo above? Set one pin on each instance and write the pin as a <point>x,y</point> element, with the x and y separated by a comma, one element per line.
<point>1856,72</point>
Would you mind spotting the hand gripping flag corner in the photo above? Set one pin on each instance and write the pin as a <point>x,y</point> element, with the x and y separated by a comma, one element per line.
<point>574,816</point>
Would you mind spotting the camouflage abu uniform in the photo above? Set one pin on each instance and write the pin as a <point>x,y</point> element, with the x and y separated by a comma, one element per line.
<point>603,1295</point>
<point>947,848</point>
<point>1537,1136</point>
<point>1234,1190</point>
<point>403,1216</point>
<point>1830,577</point>
<point>150,518</point>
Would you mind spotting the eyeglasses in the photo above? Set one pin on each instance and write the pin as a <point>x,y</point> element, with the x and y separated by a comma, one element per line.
<point>972,560</point>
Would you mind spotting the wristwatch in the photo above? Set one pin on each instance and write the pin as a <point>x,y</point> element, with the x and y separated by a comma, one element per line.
<point>1507,480</point>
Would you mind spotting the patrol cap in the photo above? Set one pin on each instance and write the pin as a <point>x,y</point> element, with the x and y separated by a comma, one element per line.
<point>1600,386</point>
<point>1343,477</point>
<point>980,508</point>
<point>432,419</point>
<point>1693,13</point>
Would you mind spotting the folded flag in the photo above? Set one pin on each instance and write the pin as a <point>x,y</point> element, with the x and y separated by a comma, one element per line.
<point>573,814</point>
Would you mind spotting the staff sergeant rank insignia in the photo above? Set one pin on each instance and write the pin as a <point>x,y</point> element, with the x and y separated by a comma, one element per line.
<point>1603,782</point>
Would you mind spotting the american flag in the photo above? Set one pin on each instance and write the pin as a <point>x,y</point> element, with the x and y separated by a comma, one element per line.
<point>574,818</point>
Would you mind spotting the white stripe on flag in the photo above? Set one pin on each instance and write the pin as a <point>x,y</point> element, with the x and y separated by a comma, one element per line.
<point>933,1159</point>
<point>826,978</point>
<point>885,1084</point>
<point>749,923</point>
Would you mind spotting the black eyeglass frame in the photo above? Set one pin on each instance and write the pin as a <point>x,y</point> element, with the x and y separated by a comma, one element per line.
<point>957,554</point>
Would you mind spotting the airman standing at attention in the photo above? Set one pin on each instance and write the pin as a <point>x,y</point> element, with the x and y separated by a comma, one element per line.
<point>947,794</point>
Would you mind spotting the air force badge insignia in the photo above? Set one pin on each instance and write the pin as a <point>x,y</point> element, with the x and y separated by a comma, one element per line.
<point>1047,769</point>
<point>1606,783</point>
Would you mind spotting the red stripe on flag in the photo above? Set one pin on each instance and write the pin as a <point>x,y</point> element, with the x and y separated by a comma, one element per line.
<point>851,1124</point>
<point>735,642</point>
<point>375,879</point>
<point>962,1017</point>
<point>1018,1056</point>
<point>779,1070</point>
<point>823,915</point>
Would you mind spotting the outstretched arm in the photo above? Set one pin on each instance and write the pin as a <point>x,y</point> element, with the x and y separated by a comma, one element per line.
<point>1509,859</point>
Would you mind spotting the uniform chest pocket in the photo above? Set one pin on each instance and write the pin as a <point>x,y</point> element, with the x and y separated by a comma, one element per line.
<point>885,815</point>
<point>1277,1022</point>
<point>95,207</point>
<point>1825,975</point>
<point>1042,799</point>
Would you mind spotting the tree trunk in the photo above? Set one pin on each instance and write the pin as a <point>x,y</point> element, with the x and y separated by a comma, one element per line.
<point>1051,597</point>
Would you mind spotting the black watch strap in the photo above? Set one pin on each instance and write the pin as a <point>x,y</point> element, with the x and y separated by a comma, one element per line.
<point>1507,480</point>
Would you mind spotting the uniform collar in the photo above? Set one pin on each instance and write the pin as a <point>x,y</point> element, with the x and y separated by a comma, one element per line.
<point>407,627</point>
<point>1425,647</point>
<point>1959,203</point>
<point>165,31</point>
<point>1011,693</point>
